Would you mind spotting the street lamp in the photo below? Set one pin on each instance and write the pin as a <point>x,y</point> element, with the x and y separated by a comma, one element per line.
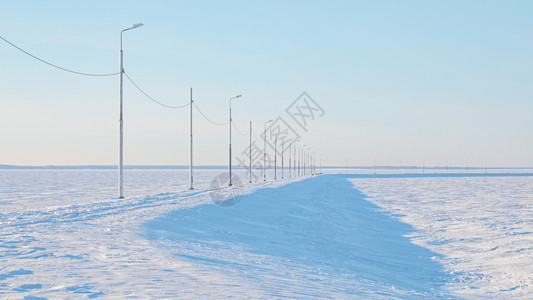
<point>250,169</point>
<point>121,122</point>
<point>264,150</point>
<point>303,159</point>
<point>290,156</point>
<point>238,96</point>
<point>312,162</point>
<point>282,152</point>
<point>296,174</point>
<point>275,156</point>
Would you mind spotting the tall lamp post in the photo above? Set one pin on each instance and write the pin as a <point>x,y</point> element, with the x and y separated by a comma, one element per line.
<point>238,96</point>
<point>264,149</point>
<point>290,156</point>
<point>121,121</point>
<point>190,142</point>
<point>282,148</point>
<point>296,157</point>
<point>313,163</point>
<point>303,159</point>
<point>275,156</point>
<point>250,168</point>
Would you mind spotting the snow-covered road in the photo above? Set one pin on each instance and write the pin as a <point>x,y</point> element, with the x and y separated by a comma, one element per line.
<point>314,238</point>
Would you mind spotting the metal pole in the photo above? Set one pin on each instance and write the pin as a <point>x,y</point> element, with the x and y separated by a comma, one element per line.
<point>290,156</point>
<point>299,160</point>
<point>305,161</point>
<point>250,168</point>
<point>282,152</point>
<point>230,123</point>
<point>297,156</point>
<point>121,122</point>
<point>275,156</point>
<point>230,142</point>
<point>264,153</point>
<point>190,140</point>
<point>264,150</point>
<point>294,159</point>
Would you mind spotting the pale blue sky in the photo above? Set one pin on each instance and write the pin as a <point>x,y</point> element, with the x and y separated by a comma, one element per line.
<point>400,81</point>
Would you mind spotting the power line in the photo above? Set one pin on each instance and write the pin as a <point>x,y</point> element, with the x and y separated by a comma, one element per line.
<point>219,124</point>
<point>238,131</point>
<point>148,96</point>
<point>56,66</point>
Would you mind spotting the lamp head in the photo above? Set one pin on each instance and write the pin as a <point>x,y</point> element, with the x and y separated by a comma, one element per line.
<point>137,25</point>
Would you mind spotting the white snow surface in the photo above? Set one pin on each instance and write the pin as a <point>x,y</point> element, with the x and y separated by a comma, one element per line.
<point>481,226</point>
<point>64,235</point>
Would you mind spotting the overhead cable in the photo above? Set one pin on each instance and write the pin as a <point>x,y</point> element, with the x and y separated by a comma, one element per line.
<point>219,124</point>
<point>56,66</point>
<point>148,96</point>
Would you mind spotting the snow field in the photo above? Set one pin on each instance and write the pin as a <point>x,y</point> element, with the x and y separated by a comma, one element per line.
<point>482,227</point>
<point>65,235</point>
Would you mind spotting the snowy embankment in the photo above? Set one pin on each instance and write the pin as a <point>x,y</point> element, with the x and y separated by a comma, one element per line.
<point>64,235</point>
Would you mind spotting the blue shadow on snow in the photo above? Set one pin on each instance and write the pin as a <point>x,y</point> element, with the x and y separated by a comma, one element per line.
<point>321,223</point>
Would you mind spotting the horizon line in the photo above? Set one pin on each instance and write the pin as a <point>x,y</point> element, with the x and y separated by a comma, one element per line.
<point>156,166</point>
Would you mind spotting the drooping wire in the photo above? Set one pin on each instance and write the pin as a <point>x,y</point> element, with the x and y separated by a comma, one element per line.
<point>148,96</point>
<point>238,131</point>
<point>56,66</point>
<point>257,137</point>
<point>219,124</point>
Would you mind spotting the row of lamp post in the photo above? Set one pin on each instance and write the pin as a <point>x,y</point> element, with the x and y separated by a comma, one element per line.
<point>305,157</point>
<point>301,161</point>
